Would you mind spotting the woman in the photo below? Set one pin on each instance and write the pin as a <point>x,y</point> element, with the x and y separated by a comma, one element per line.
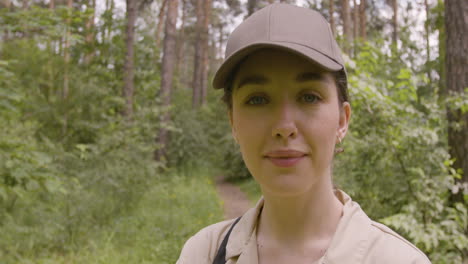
<point>285,86</point>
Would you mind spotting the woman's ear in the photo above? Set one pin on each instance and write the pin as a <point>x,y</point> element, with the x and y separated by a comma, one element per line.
<point>345,115</point>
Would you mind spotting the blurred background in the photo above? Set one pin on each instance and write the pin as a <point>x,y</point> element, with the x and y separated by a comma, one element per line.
<point>113,145</point>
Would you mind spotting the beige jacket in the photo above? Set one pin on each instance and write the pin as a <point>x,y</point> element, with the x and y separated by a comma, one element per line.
<point>357,239</point>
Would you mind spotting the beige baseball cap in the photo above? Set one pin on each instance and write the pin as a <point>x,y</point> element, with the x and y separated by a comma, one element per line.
<point>296,29</point>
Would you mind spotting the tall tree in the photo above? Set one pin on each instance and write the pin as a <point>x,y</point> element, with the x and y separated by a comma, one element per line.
<point>66,56</point>
<point>251,7</point>
<point>129,73</point>
<point>355,26</point>
<point>205,49</point>
<point>395,22</point>
<point>89,31</point>
<point>362,20</point>
<point>456,58</point>
<point>427,36</point>
<point>66,50</point>
<point>198,61</point>
<point>346,16</point>
<point>160,21</point>
<point>332,16</point>
<point>167,74</point>
<point>181,40</point>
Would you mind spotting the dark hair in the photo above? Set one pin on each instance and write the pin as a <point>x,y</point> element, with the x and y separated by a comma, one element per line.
<point>339,77</point>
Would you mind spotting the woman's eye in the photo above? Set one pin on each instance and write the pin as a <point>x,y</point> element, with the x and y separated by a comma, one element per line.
<point>257,100</point>
<point>309,98</point>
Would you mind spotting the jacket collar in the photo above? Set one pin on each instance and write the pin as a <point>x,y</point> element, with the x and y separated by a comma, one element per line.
<point>348,245</point>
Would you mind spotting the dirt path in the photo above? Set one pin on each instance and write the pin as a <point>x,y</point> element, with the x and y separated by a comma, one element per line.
<point>235,201</point>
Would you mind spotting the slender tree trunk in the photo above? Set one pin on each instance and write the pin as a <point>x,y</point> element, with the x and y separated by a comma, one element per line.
<point>181,40</point>
<point>332,17</point>
<point>167,74</point>
<point>129,74</point>
<point>251,7</point>
<point>50,68</point>
<point>428,46</point>
<point>198,59</point>
<point>442,91</point>
<point>161,16</point>
<point>66,51</point>
<point>355,28</point>
<point>221,39</point>
<point>395,23</point>
<point>363,20</point>
<point>26,4</point>
<point>346,16</point>
<point>66,77</point>
<point>205,49</point>
<point>6,32</point>
<point>107,31</point>
<point>90,34</point>
<point>456,56</point>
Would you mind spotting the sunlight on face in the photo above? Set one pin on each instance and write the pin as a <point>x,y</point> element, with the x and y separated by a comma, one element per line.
<point>286,118</point>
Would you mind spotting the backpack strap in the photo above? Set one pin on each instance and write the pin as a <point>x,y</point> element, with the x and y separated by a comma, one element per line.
<point>221,255</point>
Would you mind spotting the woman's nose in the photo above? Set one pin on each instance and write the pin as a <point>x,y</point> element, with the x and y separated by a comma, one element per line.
<point>284,125</point>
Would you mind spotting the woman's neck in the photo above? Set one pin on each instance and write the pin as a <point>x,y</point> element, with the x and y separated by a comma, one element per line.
<point>301,220</point>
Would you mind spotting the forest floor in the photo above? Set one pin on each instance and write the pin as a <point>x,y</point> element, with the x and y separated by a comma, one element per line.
<point>235,201</point>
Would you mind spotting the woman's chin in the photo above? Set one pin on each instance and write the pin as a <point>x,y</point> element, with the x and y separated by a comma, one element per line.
<point>287,184</point>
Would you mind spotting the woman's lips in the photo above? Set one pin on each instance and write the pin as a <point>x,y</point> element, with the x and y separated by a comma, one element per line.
<point>285,158</point>
<point>285,162</point>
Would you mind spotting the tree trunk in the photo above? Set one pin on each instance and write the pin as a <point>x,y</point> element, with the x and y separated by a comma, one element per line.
<point>66,51</point>
<point>251,7</point>
<point>160,22</point>
<point>107,31</point>
<point>181,42</point>
<point>51,4</point>
<point>6,32</point>
<point>332,17</point>
<point>66,69</point>
<point>442,91</point>
<point>346,16</point>
<point>428,46</point>
<point>362,20</point>
<point>89,34</point>
<point>220,40</point>
<point>355,28</point>
<point>198,59</point>
<point>26,4</point>
<point>456,56</point>
<point>167,74</point>
<point>395,23</point>
<point>128,73</point>
<point>205,49</point>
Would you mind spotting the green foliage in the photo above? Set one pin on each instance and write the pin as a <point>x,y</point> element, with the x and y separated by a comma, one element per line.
<point>153,230</point>
<point>395,164</point>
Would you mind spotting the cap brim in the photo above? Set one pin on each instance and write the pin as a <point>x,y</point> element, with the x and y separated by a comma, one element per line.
<point>229,63</point>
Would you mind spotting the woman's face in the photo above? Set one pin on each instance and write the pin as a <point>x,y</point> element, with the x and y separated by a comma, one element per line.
<point>287,119</point>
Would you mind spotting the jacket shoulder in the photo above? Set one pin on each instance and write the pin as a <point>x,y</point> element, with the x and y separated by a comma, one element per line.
<point>390,247</point>
<point>203,246</point>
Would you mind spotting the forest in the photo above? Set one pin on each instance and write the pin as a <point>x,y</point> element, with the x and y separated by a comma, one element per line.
<point>112,137</point>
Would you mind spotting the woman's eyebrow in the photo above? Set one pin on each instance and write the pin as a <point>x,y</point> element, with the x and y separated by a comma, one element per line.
<point>253,79</point>
<point>310,76</point>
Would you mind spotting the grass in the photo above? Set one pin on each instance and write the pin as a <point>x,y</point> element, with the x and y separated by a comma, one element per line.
<point>173,209</point>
